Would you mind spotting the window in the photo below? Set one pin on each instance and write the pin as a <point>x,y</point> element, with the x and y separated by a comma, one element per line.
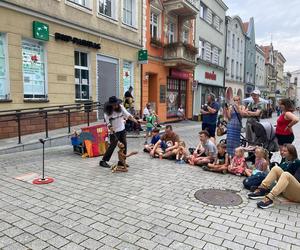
<point>202,49</point>
<point>127,75</point>
<point>216,22</point>
<point>228,38</point>
<point>185,36</point>
<point>238,44</point>
<point>154,25</point>
<point>81,76</point>
<point>216,55</point>
<point>203,11</point>
<point>233,40</point>
<point>33,57</point>
<point>241,71</point>
<point>171,33</point>
<point>232,67</point>
<point>227,66</point>
<point>83,3</point>
<point>176,96</point>
<point>107,8</point>
<point>129,12</point>
<point>3,69</point>
<point>237,70</point>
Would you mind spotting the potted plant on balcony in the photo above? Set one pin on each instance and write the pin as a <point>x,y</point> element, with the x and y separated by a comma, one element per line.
<point>190,48</point>
<point>156,42</point>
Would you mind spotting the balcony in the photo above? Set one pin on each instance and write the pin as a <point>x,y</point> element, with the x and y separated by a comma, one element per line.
<point>185,8</point>
<point>180,55</point>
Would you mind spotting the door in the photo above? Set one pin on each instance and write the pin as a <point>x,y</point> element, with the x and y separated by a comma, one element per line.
<point>107,80</point>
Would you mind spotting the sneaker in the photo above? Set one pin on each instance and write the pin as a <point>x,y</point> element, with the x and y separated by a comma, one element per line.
<point>258,193</point>
<point>104,164</point>
<point>266,203</point>
<point>145,150</point>
<point>253,188</point>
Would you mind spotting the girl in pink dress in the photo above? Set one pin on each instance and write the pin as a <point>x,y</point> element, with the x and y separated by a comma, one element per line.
<point>238,163</point>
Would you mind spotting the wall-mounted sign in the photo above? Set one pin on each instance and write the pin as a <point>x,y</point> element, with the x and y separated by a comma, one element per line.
<point>211,76</point>
<point>40,31</point>
<point>143,56</point>
<point>179,74</point>
<point>78,41</point>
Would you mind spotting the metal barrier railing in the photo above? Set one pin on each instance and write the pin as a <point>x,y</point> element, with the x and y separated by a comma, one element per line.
<point>18,115</point>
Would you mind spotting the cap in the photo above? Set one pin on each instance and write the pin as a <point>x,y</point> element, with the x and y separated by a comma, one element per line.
<point>255,92</point>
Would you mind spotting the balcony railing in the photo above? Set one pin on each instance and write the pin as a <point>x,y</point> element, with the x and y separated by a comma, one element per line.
<point>176,54</point>
<point>186,8</point>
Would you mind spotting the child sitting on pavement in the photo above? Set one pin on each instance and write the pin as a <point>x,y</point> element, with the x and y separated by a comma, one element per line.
<point>154,140</point>
<point>206,151</point>
<point>167,146</point>
<point>238,163</point>
<point>261,162</point>
<point>221,162</point>
<point>182,153</point>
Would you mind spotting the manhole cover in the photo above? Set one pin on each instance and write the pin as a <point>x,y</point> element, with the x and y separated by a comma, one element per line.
<point>218,197</point>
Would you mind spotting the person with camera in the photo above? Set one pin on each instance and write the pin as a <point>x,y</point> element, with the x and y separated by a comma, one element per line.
<point>234,114</point>
<point>209,114</point>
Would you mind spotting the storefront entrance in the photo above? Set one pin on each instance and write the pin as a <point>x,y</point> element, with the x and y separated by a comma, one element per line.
<point>107,79</point>
<point>176,96</point>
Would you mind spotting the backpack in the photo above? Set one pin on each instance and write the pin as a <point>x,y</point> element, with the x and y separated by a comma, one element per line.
<point>254,180</point>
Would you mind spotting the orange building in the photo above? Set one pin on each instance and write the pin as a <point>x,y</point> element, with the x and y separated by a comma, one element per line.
<point>168,76</point>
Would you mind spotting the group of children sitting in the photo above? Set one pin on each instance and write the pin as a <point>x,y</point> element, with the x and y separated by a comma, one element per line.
<point>207,155</point>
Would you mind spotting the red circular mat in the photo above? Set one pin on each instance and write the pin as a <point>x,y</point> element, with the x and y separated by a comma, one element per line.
<point>40,181</point>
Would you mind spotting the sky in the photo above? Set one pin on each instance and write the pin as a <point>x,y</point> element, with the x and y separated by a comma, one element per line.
<point>276,19</point>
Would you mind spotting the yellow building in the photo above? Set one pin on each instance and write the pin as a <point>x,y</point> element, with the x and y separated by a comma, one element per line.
<point>90,53</point>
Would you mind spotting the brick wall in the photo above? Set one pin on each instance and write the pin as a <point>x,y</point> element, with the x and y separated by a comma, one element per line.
<point>30,125</point>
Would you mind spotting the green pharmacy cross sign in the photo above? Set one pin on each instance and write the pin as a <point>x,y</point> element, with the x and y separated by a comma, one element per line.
<point>143,56</point>
<point>40,31</point>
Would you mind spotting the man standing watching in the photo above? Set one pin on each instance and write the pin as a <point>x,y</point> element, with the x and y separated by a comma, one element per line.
<point>209,113</point>
<point>253,113</point>
<point>114,116</point>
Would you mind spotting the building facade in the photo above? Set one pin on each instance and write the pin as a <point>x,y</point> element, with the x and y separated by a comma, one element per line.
<point>250,52</point>
<point>61,52</point>
<point>210,35</point>
<point>270,72</point>
<point>260,72</point>
<point>291,91</point>
<point>169,38</point>
<point>295,78</point>
<point>235,58</point>
<point>281,87</point>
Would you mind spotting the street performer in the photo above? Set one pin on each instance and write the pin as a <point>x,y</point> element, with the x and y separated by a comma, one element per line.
<point>115,115</point>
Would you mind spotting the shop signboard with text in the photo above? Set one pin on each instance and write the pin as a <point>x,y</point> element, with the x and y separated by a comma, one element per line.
<point>209,75</point>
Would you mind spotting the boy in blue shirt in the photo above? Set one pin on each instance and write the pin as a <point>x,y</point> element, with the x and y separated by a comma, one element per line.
<point>154,140</point>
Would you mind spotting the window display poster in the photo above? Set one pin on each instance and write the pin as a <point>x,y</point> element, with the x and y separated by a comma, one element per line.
<point>2,67</point>
<point>33,68</point>
<point>127,76</point>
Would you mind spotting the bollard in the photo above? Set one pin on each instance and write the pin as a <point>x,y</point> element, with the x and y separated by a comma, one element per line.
<point>43,180</point>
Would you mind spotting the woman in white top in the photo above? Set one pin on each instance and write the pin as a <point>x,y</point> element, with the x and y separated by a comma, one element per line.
<point>114,115</point>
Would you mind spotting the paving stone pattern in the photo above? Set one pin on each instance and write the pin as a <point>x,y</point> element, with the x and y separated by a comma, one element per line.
<point>150,207</point>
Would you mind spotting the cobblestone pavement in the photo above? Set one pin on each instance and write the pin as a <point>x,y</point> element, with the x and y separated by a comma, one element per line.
<point>150,207</point>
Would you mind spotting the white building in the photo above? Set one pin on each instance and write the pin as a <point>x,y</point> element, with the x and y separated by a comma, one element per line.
<point>235,58</point>
<point>210,33</point>
<point>260,71</point>
<point>295,78</point>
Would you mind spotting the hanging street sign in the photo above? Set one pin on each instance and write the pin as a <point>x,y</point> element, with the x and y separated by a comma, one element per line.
<point>40,31</point>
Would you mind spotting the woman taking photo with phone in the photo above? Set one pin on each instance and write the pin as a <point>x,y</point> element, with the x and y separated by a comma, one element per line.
<point>234,114</point>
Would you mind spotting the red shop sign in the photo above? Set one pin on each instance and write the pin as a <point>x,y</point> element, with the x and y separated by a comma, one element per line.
<point>180,74</point>
<point>210,76</point>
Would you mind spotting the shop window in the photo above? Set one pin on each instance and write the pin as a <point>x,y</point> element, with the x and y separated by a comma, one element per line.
<point>82,82</point>
<point>83,3</point>
<point>34,75</point>
<point>107,8</point>
<point>4,85</point>
<point>154,25</point>
<point>171,32</point>
<point>176,96</point>
<point>129,9</point>
<point>127,75</point>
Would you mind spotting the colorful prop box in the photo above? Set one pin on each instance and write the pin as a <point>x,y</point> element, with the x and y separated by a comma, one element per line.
<point>95,139</point>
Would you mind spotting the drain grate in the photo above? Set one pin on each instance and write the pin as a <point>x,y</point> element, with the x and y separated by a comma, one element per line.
<point>218,197</point>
